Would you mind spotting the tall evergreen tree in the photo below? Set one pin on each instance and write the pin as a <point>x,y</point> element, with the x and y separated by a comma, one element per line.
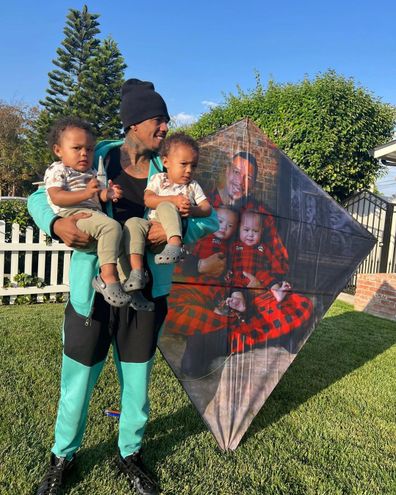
<point>77,49</point>
<point>100,92</point>
<point>86,82</point>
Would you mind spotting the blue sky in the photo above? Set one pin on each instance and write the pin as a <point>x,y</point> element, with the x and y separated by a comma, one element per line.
<point>195,52</point>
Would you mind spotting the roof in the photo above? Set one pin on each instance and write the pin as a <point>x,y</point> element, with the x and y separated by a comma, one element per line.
<point>386,152</point>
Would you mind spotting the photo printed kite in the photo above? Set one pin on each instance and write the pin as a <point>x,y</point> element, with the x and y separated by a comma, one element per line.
<point>246,298</point>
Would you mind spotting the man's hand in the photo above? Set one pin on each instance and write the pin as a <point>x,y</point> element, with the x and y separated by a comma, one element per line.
<point>156,234</point>
<point>66,229</point>
<point>214,265</point>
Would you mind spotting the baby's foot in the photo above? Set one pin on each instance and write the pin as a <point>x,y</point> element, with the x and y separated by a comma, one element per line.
<point>137,280</point>
<point>112,293</point>
<point>170,254</point>
<point>139,302</point>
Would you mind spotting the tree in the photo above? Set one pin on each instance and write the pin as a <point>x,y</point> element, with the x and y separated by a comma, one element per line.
<point>326,125</point>
<point>100,93</point>
<point>15,172</point>
<point>86,82</point>
<point>37,151</point>
<point>77,49</point>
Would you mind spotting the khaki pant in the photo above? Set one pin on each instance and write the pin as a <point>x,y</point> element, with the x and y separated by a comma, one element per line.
<point>106,231</point>
<point>136,229</point>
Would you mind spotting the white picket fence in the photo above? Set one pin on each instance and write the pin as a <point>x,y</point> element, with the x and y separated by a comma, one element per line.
<point>19,256</point>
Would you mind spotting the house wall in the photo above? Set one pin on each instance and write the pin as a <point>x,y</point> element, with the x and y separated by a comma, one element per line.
<point>376,294</point>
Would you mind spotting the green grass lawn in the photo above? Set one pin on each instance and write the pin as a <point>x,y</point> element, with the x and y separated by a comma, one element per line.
<point>328,428</point>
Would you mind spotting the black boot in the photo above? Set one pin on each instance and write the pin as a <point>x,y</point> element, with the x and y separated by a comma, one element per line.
<point>138,476</point>
<point>54,477</point>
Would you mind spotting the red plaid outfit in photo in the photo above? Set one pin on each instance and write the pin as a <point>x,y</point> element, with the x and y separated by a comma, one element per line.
<point>269,320</point>
<point>191,307</point>
<point>202,249</point>
<point>267,263</point>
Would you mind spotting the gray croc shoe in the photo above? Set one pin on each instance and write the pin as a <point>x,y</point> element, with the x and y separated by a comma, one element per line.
<point>137,280</point>
<point>139,302</point>
<point>112,293</point>
<point>170,254</point>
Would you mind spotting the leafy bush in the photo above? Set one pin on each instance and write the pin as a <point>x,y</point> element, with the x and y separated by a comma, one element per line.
<point>15,211</point>
<point>327,125</point>
<point>26,280</point>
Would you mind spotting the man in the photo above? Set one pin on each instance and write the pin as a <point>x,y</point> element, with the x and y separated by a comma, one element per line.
<point>240,176</point>
<point>90,324</point>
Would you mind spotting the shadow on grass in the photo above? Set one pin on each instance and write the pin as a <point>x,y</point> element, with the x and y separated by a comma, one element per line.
<point>164,434</point>
<point>340,345</point>
<point>90,459</point>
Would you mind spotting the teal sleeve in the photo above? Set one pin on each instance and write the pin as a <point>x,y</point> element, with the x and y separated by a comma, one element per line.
<point>40,211</point>
<point>199,227</point>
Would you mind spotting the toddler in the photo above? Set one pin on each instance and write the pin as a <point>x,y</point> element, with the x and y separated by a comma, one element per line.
<point>72,187</point>
<point>169,196</point>
<point>258,262</point>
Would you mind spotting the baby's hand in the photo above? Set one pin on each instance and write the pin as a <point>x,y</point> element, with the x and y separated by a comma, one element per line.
<point>280,291</point>
<point>114,192</point>
<point>183,205</point>
<point>236,302</point>
<point>93,187</point>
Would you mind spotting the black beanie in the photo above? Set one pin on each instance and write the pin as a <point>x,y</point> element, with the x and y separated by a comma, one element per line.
<point>139,101</point>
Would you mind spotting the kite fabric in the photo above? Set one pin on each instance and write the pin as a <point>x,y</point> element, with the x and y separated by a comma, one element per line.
<point>245,299</point>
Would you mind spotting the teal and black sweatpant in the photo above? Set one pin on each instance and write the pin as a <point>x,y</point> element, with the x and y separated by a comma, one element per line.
<point>134,336</point>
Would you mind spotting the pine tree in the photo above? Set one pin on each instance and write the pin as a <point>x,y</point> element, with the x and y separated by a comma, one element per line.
<point>100,91</point>
<point>86,82</point>
<point>77,49</point>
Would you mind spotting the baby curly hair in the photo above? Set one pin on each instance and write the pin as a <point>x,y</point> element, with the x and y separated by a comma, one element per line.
<point>178,138</point>
<point>60,125</point>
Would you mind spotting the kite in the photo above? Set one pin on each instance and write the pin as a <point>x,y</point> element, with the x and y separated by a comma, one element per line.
<point>245,299</point>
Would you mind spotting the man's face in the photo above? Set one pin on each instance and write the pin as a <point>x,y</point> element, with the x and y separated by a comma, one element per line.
<point>250,230</point>
<point>75,149</point>
<point>239,178</point>
<point>228,220</point>
<point>150,133</point>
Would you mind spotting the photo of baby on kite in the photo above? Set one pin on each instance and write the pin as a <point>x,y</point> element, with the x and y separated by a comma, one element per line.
<point>246,298</point>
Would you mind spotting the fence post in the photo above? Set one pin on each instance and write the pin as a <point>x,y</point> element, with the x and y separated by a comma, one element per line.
<point>386,239</point>
<point>29,254</point>
<point>2,256</point>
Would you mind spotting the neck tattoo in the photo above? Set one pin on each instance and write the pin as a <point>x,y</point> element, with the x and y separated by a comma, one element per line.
<point>131,161</point>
